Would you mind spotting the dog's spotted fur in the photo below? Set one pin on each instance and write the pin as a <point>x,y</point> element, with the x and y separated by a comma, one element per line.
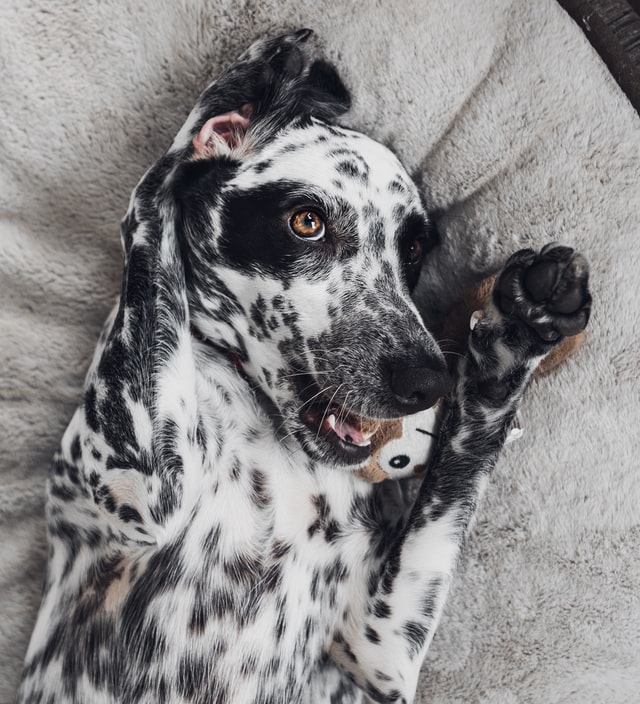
<point>205,544</point>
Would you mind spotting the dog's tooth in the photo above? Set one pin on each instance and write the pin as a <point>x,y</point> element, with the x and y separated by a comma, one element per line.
<point>349,433</point>
<point>476,317</point>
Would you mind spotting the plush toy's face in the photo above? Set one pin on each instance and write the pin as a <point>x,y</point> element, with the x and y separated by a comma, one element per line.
<point>402,447</point>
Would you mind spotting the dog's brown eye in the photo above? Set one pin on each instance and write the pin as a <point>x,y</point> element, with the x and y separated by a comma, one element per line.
<point>413,253</point>
<point>307,225</point>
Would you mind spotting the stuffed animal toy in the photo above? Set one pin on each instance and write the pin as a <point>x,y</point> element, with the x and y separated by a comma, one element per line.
<point>401,448</point>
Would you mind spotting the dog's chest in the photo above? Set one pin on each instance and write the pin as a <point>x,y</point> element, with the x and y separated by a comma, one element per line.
<point>241,589</point>
<point>259,567</point>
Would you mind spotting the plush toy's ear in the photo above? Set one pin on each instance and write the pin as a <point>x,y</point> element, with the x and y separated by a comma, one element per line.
<point>387,432</point>
<point>222,134</point>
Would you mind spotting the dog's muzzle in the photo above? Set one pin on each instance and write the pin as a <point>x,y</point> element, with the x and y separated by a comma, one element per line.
<point>411,386</point>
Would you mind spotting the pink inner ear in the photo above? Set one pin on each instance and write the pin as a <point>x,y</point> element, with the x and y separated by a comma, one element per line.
<point>230,127</point>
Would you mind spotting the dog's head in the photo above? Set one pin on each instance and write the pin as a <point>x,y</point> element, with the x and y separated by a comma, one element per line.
<point>302,241</point>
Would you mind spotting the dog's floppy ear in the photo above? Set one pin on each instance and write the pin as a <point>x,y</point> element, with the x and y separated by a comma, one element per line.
<point>328,95</point>
<point>222,134</point>
<point>272,83</point>
<point>284,76</point>
<point>294,86</point>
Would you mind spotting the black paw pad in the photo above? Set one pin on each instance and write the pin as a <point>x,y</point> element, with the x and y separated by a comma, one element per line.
<point>546,291</point>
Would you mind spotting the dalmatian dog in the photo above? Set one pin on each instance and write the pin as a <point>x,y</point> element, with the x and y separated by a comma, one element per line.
<point>210,538</point>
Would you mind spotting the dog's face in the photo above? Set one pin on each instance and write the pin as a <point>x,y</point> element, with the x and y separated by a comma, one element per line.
<point>302,244</point>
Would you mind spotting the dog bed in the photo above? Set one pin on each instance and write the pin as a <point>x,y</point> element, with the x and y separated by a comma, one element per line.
<point>518,135</point>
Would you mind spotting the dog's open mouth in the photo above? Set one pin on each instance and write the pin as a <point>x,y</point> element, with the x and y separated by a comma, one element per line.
<point>348,434</point>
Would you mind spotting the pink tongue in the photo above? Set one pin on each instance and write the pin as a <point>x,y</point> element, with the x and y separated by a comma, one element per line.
<point>348,432</point>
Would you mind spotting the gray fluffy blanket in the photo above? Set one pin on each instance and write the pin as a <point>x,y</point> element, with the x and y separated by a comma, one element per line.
<point>519,136</point>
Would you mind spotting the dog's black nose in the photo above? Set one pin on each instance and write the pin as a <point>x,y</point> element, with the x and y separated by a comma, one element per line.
<point>418,387</point>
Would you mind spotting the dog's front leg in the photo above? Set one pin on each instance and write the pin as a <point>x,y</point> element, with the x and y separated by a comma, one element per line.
<point>538,299</point>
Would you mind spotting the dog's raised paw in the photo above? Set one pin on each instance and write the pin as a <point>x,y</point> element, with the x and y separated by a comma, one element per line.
<point>547,291</point>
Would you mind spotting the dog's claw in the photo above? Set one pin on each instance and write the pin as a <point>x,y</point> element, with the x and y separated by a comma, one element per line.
<point>303,34</point>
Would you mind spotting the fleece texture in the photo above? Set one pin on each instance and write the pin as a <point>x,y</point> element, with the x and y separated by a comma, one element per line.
<point>518,135</point>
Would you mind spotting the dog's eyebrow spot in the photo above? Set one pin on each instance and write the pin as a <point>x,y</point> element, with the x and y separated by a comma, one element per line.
<point>352,155</point>
<point>396,186</point>
<point>351,169</point>
<point>341,151</point>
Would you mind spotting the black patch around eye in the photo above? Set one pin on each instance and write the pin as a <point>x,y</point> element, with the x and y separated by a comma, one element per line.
<point>414,232</point>
<point>416,227</point>
<point>256,232</point>
<point>432,235</point>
